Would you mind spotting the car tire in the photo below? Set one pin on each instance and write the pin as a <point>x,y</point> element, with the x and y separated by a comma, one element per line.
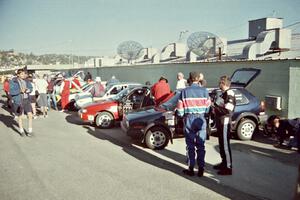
<point>246,129</point>
<point>157,138</point>
<point>104,120</point>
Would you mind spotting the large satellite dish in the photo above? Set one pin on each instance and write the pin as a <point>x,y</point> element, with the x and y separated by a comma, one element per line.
<point>130,50</point>
<point>205,44</point>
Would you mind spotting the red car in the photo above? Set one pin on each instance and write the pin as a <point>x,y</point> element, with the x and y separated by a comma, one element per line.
<point>105,113</point>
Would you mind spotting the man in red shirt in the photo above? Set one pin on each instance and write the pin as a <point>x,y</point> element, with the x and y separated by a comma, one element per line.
<point>65,93</point>
<point>160,90</point>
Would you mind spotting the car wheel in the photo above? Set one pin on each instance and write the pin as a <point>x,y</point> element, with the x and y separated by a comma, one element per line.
<point>157,138</point>
<point>104,120</point>
<point>245,129</point>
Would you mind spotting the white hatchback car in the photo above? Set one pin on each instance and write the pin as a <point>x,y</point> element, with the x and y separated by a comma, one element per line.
<point>110,91</point>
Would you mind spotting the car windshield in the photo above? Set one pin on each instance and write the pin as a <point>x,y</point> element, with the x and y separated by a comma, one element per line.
<point>171,103</point>
<point>86,88</point>
<point>122,94</point>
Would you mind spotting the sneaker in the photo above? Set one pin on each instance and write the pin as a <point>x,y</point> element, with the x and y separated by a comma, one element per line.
<point>29,133</point>
<point>225,171</point>
<point>45,116</point>
<point>35,117</point>
<point>200,172</point>
<point>62,111</point>
<point>21,132</point>
<point>189,172</point>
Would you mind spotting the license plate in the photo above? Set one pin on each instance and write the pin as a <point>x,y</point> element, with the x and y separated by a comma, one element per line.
<point>91,117</point>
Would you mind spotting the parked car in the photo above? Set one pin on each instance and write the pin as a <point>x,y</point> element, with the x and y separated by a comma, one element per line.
<point>85,99</point>
<point>156,126</point>
<point>84,90</point>
<point>104,113</point>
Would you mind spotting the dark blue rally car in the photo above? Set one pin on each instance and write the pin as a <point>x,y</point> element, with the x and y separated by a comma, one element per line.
<point>158,125</point>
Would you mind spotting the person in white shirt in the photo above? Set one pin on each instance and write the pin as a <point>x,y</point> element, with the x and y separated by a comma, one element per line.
<point>32,96</point>
<point>41,86</point>
<point>181,83</point>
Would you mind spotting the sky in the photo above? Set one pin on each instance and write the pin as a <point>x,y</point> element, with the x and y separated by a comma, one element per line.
<point>97,27</point>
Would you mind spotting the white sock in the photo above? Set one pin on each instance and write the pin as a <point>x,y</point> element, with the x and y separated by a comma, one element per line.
<point>21,130</point>
<point>29,130</point>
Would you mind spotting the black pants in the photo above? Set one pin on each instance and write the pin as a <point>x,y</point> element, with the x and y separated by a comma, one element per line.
<point>8,101</point>
<point>223,130</point>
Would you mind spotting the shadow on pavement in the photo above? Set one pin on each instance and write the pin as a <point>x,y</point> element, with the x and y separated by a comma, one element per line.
<point>166,165</point>
<point>289,157</point>
<point>9,122</point>
<point>73,118</point>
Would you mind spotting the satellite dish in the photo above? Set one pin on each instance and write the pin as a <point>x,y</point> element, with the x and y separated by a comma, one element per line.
<point>130,50</point>
<point>205,44</point>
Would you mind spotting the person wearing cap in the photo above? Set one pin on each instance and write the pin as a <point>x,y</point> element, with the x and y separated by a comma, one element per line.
<point>192,105</point>
<point>98,89</point>
<point>160,90</point>
<point>181,82</point>
<point>65,93</point>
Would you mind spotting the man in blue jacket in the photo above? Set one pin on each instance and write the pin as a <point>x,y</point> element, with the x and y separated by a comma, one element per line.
<point>20,88</point>
<point>193,103</point>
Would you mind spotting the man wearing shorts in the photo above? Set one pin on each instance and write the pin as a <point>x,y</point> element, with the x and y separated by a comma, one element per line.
<point>20,89</point>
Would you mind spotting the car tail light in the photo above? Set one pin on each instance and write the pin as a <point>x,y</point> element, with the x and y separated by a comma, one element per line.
<point>262,107</point>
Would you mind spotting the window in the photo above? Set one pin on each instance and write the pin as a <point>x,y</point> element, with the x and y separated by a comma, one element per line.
<point>240,98</point>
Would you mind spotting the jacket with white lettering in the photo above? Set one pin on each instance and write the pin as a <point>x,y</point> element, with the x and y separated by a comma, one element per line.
<point>225,104</point>
<point>193,100</point>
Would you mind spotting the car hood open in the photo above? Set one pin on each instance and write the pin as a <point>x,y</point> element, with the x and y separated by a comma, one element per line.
<point>244,76</point>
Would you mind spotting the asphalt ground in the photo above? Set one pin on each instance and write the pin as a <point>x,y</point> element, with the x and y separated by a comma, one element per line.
<point>67,159</point>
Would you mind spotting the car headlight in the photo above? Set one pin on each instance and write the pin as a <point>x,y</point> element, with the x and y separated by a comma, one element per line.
<point>169,115</point>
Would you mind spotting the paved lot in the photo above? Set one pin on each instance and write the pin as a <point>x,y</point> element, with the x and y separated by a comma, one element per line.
<point>68,160</point>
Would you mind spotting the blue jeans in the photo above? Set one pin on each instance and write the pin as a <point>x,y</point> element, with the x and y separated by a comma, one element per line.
<point>195,136</point>
<point>52,97</point>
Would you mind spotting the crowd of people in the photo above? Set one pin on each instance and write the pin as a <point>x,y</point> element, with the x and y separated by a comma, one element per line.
<point>24,91</point>
<point>34,95</point>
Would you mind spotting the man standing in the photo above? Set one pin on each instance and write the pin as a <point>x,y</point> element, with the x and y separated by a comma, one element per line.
<point>160,90</point>
<point>193,103</point>
<point>223,108</point>
<point>88,77</point>
<point>65,93</point>
<point>41,86</point>
<point>98,89</point>
<point>181,82</point>
<point>19,90</point>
